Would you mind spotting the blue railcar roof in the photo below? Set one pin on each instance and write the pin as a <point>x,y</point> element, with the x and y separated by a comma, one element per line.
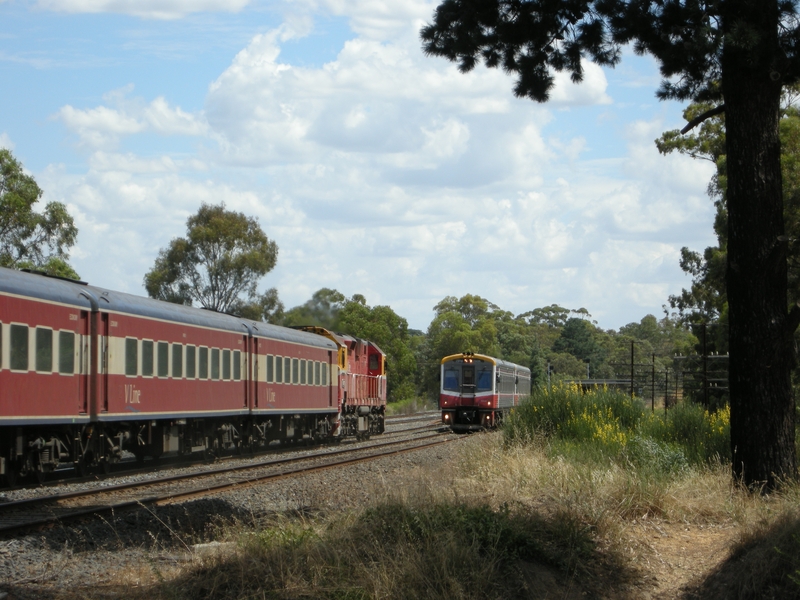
<point>68,292</point>
<point>51,289</point>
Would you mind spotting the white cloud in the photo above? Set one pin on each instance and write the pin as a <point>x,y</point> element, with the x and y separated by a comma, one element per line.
<point>103,127</point>
<point>5,141</point>
<point>387,173</point>
<point>148,9</point>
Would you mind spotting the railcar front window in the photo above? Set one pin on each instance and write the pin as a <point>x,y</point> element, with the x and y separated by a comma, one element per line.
<point>147,358</point>
<point>373,362</point>
<point>66,352</point>
<point>484,380</point>
<point>451,380</point>
<point>19,347</point>
<point>44,350</point>
<point>468,375</point>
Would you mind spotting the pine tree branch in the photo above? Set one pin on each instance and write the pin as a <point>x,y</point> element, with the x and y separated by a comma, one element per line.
<point>700,118</point>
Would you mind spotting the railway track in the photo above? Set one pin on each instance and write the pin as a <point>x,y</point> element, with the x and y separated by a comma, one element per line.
<point>104,497</point>
<point>395,425</point>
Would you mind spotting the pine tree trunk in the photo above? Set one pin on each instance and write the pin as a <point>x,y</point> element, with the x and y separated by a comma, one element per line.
<point>761,347</point>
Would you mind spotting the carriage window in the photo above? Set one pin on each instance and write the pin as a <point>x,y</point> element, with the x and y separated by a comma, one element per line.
<point>203,359</point>
<point>177,361</point>
<point>147,358</point>
<point>190,362</point>
<point>287,369</point>
<point>19,347</point>
<point>484,380</point>
<point>163,359</point>
<point>215,363</point>
<point>316,373</point>
<point>278,369</point>
<point>270,368</point>
<point>131,356</point>
<point>450,379</point>
<point>325,374</point>
<point>66,352</point>
<point>237,365</point>
<point>226,364</point>
<point>44,350</point>
<point>303,372</point>
<point>295,370</point>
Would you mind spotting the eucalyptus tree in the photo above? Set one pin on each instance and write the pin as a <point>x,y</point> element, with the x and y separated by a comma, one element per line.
<point>218,264</point>
<point>30,238</point>
<point>736,54</point>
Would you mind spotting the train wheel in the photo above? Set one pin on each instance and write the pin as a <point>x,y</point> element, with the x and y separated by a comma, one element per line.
<point>40,474</point>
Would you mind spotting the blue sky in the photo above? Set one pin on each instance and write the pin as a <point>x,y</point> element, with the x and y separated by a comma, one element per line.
<point>375,169</point>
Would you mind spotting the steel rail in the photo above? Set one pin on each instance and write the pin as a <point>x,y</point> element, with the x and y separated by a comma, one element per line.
<point>71,514</point>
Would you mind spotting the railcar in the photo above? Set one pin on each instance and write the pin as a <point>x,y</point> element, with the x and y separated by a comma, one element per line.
<point>477,390</point>
<point>88,373</point>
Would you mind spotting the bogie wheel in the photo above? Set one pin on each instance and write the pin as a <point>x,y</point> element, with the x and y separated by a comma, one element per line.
<point>39,474</point>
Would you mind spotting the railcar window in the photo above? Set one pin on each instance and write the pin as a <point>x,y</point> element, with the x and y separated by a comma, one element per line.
<point>287,369</point>
<point>163,359</point>
<point>303,371</point>
<point>215,363</point>
<point>278,369</point>
<point>317,366</point>
<point>270,368</point>
<point>177,360</point>
<point>373,362</point>
<point>484,380</point>
<point>226,364</point>
<point>191,363</point>
<point>325,374</point>
<point>147,358</point>
<point>44,350</point>
<point>66,352</point>
<point>203,360</point>
<point>237,365</point>
<point>295,370</point>
<point>1,346</point>
<point>451,379</point>
<point>468,375</point>
<point>19,347</point>
<point>131,356</point>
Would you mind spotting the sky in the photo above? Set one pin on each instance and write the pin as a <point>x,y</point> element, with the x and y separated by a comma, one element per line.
<point>375,169</point>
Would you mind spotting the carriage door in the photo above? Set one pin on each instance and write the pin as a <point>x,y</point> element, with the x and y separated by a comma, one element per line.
<point>82,338</point>
<point>103,367</point>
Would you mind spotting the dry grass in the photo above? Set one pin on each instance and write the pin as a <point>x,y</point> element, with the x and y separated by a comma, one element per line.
<point>512,522</point>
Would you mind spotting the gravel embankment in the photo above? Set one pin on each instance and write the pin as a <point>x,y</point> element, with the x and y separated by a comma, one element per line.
<point>134,546</point>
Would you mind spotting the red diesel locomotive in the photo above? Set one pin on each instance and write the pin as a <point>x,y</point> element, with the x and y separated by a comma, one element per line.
<point>87,373</point>
<point>476,390</point>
